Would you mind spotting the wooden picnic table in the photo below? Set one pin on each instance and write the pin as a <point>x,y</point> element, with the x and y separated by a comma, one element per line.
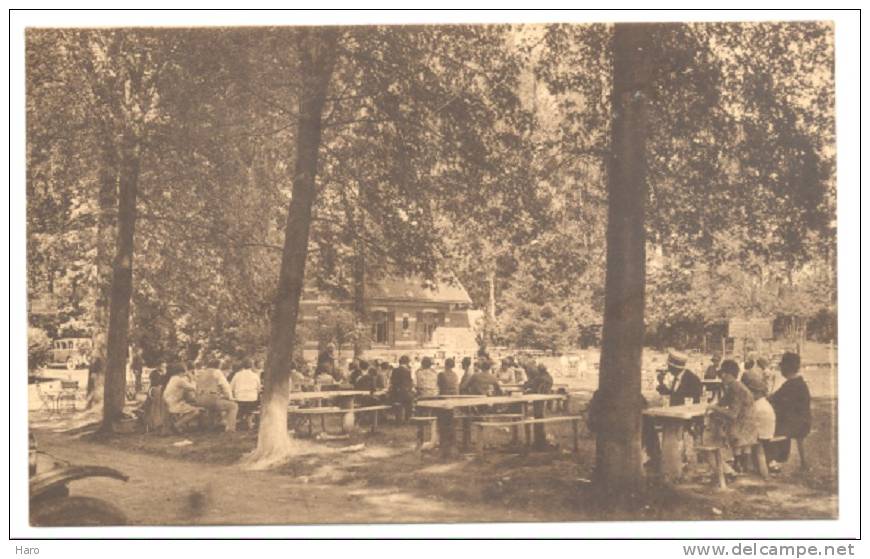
<point>346,399</point>
<point>674,420</point>
<point>446,409</point>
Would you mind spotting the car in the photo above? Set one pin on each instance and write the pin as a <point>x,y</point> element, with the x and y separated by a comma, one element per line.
<point>72,353</point>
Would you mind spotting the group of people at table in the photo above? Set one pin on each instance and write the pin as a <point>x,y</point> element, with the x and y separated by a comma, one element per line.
<point>747,406</point>
<point>189,391</point>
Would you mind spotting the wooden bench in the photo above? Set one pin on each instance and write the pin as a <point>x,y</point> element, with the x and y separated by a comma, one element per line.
<point>490,417</point>
<point>574,419</point>
<point>715,452</point>
<point>375,413</point>
<point>308,414</point>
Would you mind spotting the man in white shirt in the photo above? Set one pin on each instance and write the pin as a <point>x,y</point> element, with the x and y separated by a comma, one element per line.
<point>179,395</point>
<point>213,392</point>
<point>246,391</point>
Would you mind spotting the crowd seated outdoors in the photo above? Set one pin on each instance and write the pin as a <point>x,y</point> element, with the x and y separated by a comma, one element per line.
<point>740,408</point>
<point>225,395</point>
<point>748,414</point>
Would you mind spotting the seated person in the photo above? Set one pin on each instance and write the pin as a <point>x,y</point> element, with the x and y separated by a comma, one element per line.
<point>427,379</point>
<point>540,381</point>
<point>402,387</point>
<point>765,417</point>
<point>323,377</point>
<point>370,381</point>
<point>356,369</point>
<point>791,403</point>
<point>384,370</point>
<point>683,383</point>
<point>246,391</point>
<point>505,373</point>
<point>483,382</point>
<point>448,381</point>
<point>213,393</point>
<point>180,395</point>
<point>467,373</point>
<point>732,420</point>
<point>298,380</point>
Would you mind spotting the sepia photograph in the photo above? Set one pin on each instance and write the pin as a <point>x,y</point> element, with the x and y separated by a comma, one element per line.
<point>431,273</point>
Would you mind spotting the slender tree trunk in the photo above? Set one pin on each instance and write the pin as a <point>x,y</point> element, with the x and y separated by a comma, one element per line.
<point>122,285</point>
<point>618,467</point>
<point>107,205</point>
<point>359,294</point>
<point>316,49</point>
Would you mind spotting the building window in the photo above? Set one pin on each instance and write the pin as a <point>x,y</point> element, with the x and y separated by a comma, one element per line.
<point>405,323</point>
<point>380,327</point>
<point>429,321</point>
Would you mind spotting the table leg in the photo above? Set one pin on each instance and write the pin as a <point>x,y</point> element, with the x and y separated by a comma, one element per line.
<point>672,451</point>
<point>466,432</point>
<point>446,432</point>
<point>540,431</point>
<point>527,428</point>
<point>348,420</point>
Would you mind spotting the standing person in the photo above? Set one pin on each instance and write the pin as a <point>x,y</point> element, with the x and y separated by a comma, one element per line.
<point>402,387</point>
<point>771,379</point>
<point>356,370</point>
<point>712,372</point>
<point>137,365</point>
<point>213,392</point>
<point>684,383</point>
<point>326,360</point>
<point>246,392</point>
<point>427,379</point>
<point>448,381</point>
<point>732,418</point>
<point>791,402</point>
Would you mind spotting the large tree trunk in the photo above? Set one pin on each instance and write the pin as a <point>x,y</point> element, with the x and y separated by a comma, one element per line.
<point>316,50</point>
<point>122,285</point>
<point>107,199</point>
<point>618,467</point>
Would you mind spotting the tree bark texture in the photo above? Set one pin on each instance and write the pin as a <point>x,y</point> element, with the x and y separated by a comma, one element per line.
<point>122,283</point>
<point>618,467</point>
<point>317,50</point>
<point>108,202</point>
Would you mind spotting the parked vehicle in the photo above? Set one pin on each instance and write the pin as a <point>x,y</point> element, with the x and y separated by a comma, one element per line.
<point>50,501</point>
<point>73,353</point>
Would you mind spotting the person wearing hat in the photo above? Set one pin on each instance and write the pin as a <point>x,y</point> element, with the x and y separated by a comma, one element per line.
<point>732,418</point>
<point>765,418</point>
<point>712,371</point>
<point>791,402</point>
<point>684,383</point>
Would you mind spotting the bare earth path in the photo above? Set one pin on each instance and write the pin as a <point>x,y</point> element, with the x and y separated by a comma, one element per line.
<point>163,491</point>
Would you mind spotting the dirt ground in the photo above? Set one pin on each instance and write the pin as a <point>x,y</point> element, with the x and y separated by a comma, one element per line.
<point>375,478</point>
